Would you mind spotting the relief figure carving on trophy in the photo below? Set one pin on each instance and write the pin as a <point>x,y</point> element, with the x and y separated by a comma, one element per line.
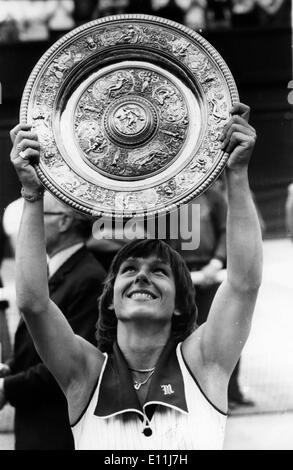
<point>120,80</point>
<point>91,44</point>
<point>163,93</point>
<point>91,138</point>
<point>167,189</point>
<point>61,64</point>
<point>130,34</point>
<point>88,108</point>
<point>147,159</point>
<point>157,37</point>
<point>113,85</point>
<point>47,89</point>
<point>179,47</point>
<point>130,119</point>
<point>172,107</point>
<point>98,144</point>
<point>40,113</point>
<point>219,110</point>
<point>146,78</point>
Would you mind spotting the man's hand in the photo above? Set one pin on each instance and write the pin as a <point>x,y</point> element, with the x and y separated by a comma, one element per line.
<point>4,370</point>
<point>3,400</point>
<point>238,138</point>
<point>25,153</point>
<point>210,272</point>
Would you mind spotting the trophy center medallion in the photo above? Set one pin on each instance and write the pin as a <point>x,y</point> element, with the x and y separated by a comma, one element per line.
<point>130,119</point>
<point>130,122</point>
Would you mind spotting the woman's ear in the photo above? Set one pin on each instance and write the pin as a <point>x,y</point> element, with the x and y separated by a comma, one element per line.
<point>111,306</point>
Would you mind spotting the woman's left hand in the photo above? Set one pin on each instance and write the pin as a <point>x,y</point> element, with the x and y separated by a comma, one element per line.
<point>238,138</point>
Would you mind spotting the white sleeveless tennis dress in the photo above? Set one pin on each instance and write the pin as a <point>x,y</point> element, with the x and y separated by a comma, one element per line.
<point>176,415</point>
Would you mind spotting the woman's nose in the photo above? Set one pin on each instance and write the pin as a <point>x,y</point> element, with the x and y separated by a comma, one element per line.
<point>142,278</point>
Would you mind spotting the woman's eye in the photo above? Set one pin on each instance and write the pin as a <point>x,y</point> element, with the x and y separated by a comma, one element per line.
<point>160,270</point>
<point>128,269</point>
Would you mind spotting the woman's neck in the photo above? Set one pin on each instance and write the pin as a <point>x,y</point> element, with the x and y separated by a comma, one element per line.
<point>141,348</point>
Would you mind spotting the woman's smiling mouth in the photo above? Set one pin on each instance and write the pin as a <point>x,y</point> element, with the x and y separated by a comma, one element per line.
<point>140,294</point>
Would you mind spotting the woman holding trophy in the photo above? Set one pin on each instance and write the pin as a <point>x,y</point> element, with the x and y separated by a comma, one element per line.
<point>154,381</point>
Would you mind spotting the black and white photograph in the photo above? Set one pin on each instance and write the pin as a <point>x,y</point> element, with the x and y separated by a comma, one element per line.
<point>146,227</point>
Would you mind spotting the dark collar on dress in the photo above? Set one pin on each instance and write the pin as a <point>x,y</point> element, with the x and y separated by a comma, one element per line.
<point>117,394</point>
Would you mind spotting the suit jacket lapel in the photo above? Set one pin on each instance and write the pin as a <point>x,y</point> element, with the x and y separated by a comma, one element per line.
<point>66,267</point>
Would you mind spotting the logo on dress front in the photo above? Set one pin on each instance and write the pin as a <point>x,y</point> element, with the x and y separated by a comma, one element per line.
<point>167,389</point>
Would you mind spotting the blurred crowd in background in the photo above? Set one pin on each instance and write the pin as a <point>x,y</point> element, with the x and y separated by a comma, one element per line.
<point>28,20</point>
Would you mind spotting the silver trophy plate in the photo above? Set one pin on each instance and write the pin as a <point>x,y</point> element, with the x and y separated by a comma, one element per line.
<point>129,111</point>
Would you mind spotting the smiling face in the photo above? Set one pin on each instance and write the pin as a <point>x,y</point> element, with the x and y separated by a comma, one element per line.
<point>144,288</point>
<point>183,319</point>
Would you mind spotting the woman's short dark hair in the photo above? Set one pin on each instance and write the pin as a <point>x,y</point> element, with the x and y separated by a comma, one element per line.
<point>182,325</point>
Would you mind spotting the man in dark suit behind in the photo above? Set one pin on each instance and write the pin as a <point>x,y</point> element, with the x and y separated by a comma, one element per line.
<point>75,281</point>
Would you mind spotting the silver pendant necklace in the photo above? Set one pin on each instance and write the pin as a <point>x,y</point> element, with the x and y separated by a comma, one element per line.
<point>136,383</point>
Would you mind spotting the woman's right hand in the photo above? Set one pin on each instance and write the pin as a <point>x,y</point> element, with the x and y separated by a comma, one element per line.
<point>25,152</point>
